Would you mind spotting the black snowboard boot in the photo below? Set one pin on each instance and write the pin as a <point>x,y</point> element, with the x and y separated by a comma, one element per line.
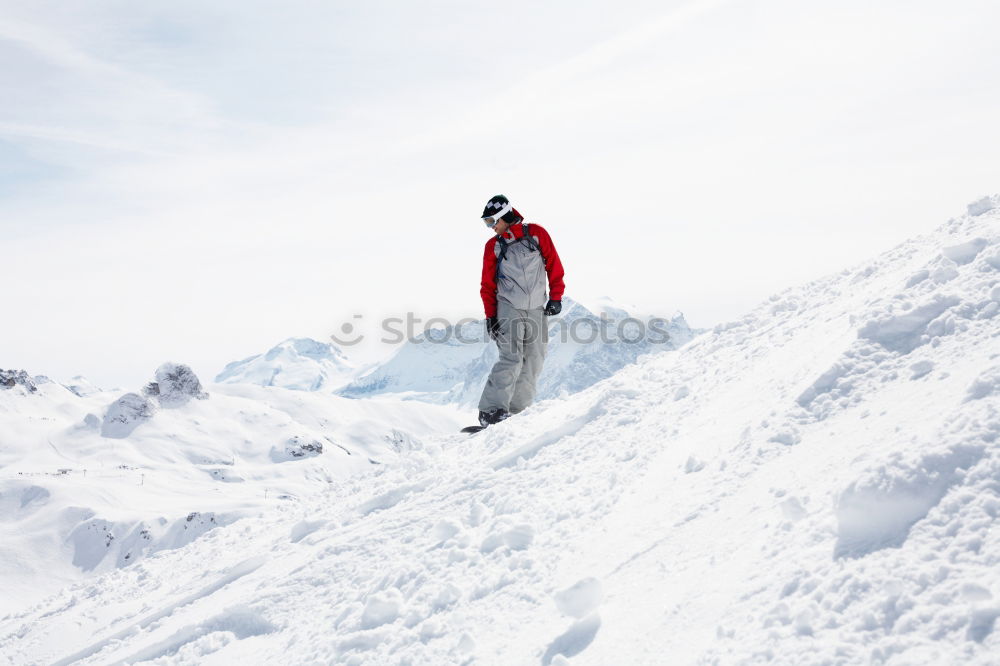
<point>492,416</point>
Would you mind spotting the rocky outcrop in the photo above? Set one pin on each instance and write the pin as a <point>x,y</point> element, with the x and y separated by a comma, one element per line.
<point>296,448</point>
<point>126,414</point>
<point>175,385</point>
<point>11,378</point>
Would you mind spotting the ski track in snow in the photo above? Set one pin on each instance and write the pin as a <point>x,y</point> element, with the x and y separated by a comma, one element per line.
<point>815,483</point>
<point>235,573</point>
<point>568,429</point>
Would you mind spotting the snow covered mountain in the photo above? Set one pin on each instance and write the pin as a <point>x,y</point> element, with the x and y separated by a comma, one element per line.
<point>94,480</point>
<point>817,482</point>
<point>300,364</point>
<point>586,345</point>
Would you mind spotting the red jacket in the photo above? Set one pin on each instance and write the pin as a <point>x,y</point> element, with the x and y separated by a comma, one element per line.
<point>553,266</point>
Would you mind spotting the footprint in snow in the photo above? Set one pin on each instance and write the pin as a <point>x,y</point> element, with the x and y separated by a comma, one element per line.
<point>573,641</point>
<point>382,609</point>
<point>518,537</point>
<point>444,530</point>
<point>304,528</point>
<point>580,598</point>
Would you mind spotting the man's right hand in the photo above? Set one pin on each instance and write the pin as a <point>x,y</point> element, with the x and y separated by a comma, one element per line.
<point>493,327</point>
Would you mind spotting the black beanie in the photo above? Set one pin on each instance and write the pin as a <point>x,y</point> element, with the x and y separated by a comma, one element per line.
<point>498,203</point>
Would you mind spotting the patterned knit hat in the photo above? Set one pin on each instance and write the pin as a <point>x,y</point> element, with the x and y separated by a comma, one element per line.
<point>499,206</point>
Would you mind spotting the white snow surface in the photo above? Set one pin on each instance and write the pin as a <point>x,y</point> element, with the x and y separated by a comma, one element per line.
<point>815,483</point>
<point>82,493</point>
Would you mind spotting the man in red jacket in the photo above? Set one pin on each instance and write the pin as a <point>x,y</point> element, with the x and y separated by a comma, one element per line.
<point>519,263</point>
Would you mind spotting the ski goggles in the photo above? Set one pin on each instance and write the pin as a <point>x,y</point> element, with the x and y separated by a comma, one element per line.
<point>491,220</point>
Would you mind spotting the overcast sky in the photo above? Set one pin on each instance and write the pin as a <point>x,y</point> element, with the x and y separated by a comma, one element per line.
<point>196,181</point>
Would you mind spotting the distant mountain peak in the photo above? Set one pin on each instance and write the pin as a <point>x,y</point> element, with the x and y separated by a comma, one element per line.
<point>308,348</point>
<point>301,364</point>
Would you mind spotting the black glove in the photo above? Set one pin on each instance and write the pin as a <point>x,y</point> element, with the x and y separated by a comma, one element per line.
<point>493,327</point>
<point>553,308</point>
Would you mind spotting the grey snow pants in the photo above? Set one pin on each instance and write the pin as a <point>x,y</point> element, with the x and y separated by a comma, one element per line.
<point>524,335</point>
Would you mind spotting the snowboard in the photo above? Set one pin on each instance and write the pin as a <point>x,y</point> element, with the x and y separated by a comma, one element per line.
<point>473,429</point>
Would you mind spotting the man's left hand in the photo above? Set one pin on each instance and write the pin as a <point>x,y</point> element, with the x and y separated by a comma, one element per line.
<point>493,327</point>
<point>553,308</point>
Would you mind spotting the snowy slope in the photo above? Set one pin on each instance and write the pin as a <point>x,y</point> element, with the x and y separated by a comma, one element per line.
<point>296,363</point>
<point>451,365</point>
<point>817,482</point>
<point>79,496</point>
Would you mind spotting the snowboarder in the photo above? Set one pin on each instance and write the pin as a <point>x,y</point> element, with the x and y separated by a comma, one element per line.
<point>519,262</point>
